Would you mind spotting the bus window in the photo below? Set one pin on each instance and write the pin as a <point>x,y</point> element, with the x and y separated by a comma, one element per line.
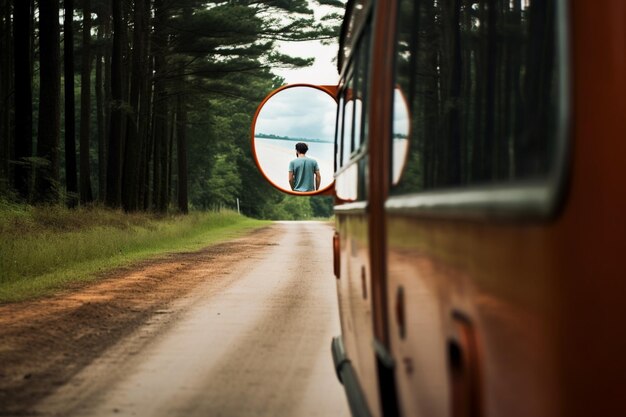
<point>353,104</point>
<point>358,118</point>
<point>348,122</point>
<point>480,82</point>
<point>339,133</point>
<point>360,76</point>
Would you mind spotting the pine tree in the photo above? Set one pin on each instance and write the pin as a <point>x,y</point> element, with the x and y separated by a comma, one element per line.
<point>71,176</point>
<point>114,157</point>
<point>47,169</point>
<point>86,195</point>
<point>22,36</point>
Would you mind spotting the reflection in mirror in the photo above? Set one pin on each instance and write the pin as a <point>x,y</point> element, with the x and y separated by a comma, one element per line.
<point>292,115</point>
<point>348,124</point>
<point>339,132</point>
<point>400,134</point>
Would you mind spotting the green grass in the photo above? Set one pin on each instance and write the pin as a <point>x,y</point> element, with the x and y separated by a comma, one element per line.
<point>45,249</point>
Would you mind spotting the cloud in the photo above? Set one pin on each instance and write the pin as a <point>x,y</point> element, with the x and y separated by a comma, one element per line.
<point>299,112</point>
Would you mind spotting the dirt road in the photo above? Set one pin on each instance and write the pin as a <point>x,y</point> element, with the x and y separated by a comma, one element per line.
<point>241,329</point>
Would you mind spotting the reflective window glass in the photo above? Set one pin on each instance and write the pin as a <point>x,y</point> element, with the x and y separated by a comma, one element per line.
<point>479,81</point>
<point>348,122</point>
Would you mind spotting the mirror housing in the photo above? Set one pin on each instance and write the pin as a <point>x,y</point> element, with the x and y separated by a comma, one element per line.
<point>290,114</point>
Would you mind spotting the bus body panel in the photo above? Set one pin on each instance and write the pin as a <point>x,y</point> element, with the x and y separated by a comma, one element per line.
<point>498,278</point>
<point>355,307</point>
<point>497,315</point>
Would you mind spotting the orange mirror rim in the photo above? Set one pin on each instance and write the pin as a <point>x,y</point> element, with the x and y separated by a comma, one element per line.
<point>331,90</point>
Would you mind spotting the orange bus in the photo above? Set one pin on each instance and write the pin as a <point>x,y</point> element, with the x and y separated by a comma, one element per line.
<point>479,205</point>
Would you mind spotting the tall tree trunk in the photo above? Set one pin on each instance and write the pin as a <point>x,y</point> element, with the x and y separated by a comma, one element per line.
<point>160,148</point>
<point>86,195</point>
<point>170,156</point>
<point>145,111</point>
<point>479,163</point>
<point>108,100</point>
<point>114,171</point>
<point>23,94</point>
<point>5,92</point>
<point>71,177</point>
<point>158,135</point>
<point>130,183</point>
<point>181,147</point>
<point>107,94</point>
<point>490,92</point>
<point>467,93</point>
<point>534,151</point>
<point>501,93</point>
<point>149,143</point>
<point>431,97</point>
<point>101,129</point>
<point>160,108</point>
<point>149,181</point>
<point>102,98</point>
<point>516,98</point>
<point>451,161</point>
<point>47,173</point>
<point>508,93</point>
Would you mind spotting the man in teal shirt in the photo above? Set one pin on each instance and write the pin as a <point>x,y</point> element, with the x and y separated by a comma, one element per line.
<point>304,173</point>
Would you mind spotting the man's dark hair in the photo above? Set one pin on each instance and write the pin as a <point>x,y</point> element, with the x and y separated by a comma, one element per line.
<point>301,147</point>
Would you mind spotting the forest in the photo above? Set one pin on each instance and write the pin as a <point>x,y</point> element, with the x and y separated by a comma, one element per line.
<point>146,105</point>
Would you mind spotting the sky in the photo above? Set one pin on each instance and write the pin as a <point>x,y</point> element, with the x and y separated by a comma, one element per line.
<point>322,72</point>
<point>324,69</point>
<point>300,112</point>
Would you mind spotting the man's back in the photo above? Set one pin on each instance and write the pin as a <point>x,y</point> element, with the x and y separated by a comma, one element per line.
<point>303,169</point>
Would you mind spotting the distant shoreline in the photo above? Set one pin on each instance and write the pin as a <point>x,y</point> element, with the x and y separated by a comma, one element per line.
<point>275,137</point>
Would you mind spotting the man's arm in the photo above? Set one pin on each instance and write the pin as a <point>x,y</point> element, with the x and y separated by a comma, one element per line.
<point>318,180</point>
<point>291,179</point>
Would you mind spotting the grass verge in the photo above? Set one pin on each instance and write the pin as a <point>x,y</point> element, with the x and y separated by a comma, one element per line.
<point>45,249</point>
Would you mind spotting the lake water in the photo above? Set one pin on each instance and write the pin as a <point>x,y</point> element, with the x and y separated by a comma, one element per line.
<point>274,156</point>
<point>317,150</point>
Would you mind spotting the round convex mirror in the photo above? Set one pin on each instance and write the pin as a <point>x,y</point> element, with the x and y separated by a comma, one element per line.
<point>292,115</point>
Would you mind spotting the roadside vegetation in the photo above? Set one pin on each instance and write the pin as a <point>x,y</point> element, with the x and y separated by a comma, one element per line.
<point>47,248</point>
